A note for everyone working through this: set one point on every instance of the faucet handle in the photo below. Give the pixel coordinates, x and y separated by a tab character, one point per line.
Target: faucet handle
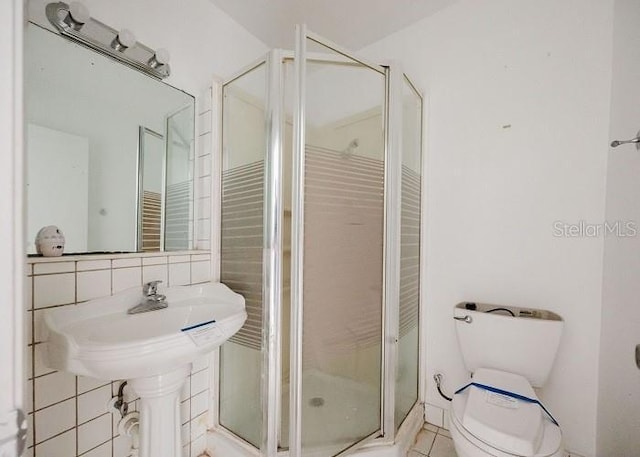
150	288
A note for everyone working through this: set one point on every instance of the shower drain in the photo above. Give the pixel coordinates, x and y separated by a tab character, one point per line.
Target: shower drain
316	402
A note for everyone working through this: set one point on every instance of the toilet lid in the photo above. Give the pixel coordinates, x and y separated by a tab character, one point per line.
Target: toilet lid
500	421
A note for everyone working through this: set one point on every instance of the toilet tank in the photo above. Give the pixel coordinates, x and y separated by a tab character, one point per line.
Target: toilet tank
523	341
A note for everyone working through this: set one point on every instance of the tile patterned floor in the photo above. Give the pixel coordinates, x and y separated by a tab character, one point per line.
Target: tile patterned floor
433	441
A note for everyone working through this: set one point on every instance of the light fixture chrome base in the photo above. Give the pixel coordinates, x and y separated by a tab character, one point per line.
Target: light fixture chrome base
99	37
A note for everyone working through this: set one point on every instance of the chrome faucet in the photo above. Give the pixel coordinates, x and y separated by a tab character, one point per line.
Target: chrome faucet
151	299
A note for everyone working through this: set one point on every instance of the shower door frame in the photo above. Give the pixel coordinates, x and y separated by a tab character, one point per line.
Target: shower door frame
389	318
272	262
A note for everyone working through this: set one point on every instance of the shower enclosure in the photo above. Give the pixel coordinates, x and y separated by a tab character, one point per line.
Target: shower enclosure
320	232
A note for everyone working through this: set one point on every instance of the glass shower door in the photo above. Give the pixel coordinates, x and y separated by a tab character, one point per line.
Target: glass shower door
338	220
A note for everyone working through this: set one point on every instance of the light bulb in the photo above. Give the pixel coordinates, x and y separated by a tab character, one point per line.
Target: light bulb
123	40
78	15
161	57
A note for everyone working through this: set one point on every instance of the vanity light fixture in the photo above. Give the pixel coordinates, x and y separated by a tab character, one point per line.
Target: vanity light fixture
73	21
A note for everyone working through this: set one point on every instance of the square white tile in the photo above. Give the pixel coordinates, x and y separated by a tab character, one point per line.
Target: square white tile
185	432
94	284
185	412
204	123
204	228
127	262
424	441
85	384
30	430
53	267
101	451
28	292
433	414
56	289
198	426
54	388
199	403
54	420
204	187
125	278
179	258
205	145
93	404
179	274
204	165
198	446
204	208
155	273
39	366
93	433
200	272
63	445
185	393
199	382
154	260
443	447
200	364
85	265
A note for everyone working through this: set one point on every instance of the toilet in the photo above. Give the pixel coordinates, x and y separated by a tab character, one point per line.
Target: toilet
509	351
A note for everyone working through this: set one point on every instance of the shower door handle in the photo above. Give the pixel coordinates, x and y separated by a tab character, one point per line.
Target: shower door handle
467	319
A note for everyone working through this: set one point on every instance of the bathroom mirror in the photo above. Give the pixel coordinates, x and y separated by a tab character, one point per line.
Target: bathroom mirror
101	136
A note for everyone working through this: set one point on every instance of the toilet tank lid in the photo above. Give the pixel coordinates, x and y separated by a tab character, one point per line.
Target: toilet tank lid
503	422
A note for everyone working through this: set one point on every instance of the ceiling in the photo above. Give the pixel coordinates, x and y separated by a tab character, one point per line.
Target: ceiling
351	23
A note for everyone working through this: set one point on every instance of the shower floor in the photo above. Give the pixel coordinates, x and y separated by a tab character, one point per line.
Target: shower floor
336	412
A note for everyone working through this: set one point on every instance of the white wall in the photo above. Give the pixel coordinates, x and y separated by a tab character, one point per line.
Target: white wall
57	185
202	40
619	394
518	96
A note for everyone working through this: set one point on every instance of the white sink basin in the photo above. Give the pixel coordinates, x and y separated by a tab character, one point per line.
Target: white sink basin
99	339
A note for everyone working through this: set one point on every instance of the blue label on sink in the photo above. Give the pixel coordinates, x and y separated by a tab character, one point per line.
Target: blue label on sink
203	333
201	324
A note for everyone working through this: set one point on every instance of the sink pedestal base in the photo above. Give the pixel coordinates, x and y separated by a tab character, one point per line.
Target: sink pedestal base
160	412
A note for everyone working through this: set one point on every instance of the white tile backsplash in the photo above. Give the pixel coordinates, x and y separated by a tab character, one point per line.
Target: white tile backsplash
101	451
93	284
155	273
155	260
53	267
55	419
127	262
200	272
93	403
54	388
62	445
85	265
125	278
179	274
94	433
86	384
55	289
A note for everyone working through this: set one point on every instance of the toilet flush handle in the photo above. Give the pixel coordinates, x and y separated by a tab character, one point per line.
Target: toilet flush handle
466	319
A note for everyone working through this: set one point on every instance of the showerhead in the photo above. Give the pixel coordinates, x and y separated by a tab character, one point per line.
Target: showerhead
351	147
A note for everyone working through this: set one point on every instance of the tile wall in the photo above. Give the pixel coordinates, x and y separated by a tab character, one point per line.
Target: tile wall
68	414
204	169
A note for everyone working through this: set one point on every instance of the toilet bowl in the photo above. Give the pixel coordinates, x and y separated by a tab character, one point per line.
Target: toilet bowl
485	423
508	350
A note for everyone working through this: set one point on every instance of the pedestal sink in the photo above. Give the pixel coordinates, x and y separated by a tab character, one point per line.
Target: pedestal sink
152	350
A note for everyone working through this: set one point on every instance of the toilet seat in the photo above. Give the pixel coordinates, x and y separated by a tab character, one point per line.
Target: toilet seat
501	425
